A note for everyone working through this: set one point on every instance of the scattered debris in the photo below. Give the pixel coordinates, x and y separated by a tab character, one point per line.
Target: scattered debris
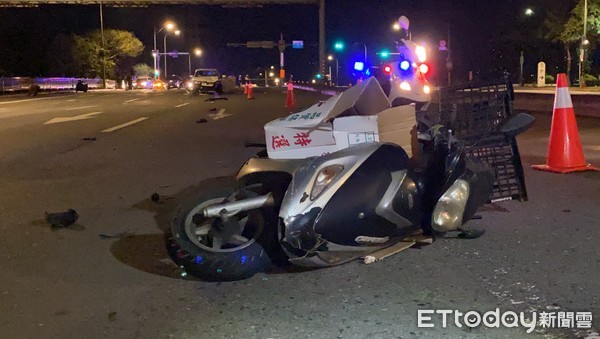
566	211
213	109
120	235
62	219
89	138
213	99
112	316
155	197
201	121
470	234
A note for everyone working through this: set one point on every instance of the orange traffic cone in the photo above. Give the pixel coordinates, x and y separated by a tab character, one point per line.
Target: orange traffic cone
246	88
565	153
290	101
250	92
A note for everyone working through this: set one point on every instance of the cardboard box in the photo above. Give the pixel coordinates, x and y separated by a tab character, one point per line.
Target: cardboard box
344	120
395	125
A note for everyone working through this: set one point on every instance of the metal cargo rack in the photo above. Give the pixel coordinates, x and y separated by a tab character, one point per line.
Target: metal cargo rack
473	112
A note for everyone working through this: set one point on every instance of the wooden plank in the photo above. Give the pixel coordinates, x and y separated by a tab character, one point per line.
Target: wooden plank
386	252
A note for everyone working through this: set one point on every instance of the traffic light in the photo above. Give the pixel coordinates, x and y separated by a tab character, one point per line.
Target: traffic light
387	69
384	54
338	45
319	76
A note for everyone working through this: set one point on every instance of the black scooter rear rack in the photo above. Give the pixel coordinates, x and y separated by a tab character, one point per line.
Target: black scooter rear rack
474	112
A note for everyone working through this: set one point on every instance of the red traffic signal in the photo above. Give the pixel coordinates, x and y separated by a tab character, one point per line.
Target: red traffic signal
387	69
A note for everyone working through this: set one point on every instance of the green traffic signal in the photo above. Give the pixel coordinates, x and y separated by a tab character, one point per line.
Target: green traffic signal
338	46
384	54
318	76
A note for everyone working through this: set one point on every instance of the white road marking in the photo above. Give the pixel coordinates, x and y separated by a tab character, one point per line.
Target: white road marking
24	100
132	100
187	103
220	115
75	118
112	129
77	108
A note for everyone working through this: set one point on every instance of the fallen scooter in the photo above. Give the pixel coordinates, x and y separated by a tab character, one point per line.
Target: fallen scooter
327	205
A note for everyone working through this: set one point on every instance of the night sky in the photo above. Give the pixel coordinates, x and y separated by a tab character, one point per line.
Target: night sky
482	33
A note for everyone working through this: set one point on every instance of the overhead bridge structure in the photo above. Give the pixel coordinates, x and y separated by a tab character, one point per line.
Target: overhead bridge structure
224	3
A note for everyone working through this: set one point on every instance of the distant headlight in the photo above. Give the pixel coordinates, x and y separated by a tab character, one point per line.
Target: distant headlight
324	179
426	89
190	85
449	210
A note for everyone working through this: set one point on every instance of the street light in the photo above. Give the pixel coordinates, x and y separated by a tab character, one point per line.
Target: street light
168	26
584	43
177	32
396	27
337	69
197	53
529	12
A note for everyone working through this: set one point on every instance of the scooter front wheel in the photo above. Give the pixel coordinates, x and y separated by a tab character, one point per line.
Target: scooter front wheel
214	250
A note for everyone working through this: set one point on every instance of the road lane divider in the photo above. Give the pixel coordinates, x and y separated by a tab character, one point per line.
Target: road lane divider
75	118
184	104
132	122
131	100
78	108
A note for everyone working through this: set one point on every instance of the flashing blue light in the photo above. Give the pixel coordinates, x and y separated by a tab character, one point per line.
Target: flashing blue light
359	66
244	259
368	72
405	65
198	259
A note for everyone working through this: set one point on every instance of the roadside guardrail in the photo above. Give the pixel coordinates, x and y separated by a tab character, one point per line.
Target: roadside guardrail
18	84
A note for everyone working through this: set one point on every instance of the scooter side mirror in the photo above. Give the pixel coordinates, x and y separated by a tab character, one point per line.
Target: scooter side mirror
517	124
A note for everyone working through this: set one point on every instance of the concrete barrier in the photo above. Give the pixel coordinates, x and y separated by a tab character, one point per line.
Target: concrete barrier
584	104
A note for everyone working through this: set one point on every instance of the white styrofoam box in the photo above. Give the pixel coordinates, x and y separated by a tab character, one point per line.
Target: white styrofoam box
311	132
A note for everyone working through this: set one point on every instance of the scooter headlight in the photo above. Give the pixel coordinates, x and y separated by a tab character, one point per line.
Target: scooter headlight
324	178
449	210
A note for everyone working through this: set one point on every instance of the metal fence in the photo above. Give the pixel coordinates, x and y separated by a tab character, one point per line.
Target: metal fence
16	84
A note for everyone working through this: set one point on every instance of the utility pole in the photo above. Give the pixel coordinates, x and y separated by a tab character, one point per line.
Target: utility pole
521	62
321	37
103	50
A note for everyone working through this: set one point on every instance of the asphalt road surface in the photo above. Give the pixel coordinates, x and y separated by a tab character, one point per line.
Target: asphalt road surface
109	275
